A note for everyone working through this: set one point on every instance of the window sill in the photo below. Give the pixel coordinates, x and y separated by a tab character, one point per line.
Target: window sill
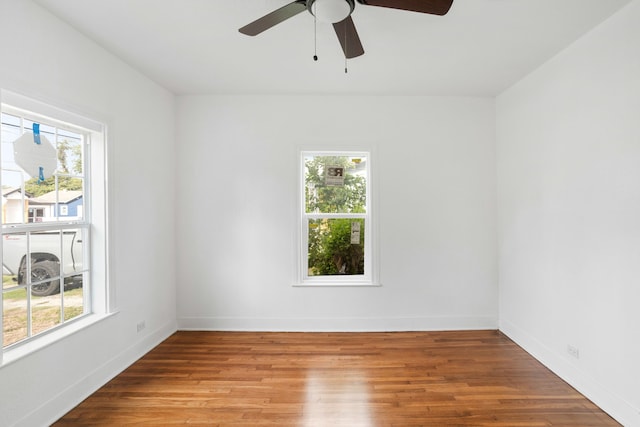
336	284
45	340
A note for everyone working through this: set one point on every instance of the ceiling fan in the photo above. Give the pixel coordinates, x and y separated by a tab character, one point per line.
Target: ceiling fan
338	13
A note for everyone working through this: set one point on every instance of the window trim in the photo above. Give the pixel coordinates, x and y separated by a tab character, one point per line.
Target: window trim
370	277
100	296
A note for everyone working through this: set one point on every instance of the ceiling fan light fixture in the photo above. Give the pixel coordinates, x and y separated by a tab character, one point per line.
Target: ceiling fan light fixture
331	11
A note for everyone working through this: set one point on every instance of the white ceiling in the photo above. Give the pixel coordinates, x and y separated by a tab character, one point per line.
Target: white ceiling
193	46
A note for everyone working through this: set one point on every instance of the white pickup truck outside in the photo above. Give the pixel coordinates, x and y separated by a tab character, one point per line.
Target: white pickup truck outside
47	251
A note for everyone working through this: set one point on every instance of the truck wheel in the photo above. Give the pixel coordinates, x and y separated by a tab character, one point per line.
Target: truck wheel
44	270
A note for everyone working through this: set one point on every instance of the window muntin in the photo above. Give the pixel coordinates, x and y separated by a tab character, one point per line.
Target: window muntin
335	225
45	230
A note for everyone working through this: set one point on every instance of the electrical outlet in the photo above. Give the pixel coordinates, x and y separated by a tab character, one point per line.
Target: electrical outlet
573	351
141	325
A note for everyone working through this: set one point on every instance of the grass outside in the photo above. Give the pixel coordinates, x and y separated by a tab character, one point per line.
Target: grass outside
45	312
8	281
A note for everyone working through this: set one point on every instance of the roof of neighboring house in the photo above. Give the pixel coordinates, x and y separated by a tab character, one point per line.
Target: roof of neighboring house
64	196
12	192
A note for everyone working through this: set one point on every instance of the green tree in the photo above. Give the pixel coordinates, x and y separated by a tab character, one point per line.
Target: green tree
63	149
322	198
37	188
330	249
68	152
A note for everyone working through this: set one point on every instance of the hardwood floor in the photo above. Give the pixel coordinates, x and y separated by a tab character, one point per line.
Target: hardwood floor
470	378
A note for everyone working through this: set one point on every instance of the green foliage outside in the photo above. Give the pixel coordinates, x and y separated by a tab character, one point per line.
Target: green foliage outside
321	198
330	249
36	188
69	153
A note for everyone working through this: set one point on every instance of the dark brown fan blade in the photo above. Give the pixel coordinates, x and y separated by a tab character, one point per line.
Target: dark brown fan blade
349	39
434	7
274	18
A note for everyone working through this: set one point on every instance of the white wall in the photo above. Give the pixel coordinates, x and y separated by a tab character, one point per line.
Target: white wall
44	58
237	178
568	144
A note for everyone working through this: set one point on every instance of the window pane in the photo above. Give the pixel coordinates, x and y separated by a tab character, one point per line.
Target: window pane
10	132
336	247
335	184
69	147
65	204
73	297
72	244
14	316
14	249
14	203
13	207
45	129
45	262
45	312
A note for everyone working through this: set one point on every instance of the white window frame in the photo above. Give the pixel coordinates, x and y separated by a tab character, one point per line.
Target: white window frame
98	296
370	276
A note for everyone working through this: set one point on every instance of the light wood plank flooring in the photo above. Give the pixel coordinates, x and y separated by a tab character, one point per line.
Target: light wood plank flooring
470	378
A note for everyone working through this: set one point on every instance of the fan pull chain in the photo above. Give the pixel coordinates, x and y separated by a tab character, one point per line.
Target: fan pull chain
315	38
345	49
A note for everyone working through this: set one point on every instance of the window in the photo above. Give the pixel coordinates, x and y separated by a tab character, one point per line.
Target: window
48	203
336	226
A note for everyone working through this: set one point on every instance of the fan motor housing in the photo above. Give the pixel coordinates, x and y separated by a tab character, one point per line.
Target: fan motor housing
331	11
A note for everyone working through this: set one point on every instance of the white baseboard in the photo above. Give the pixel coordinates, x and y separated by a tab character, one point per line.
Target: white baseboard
621	410
351	324
60	404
